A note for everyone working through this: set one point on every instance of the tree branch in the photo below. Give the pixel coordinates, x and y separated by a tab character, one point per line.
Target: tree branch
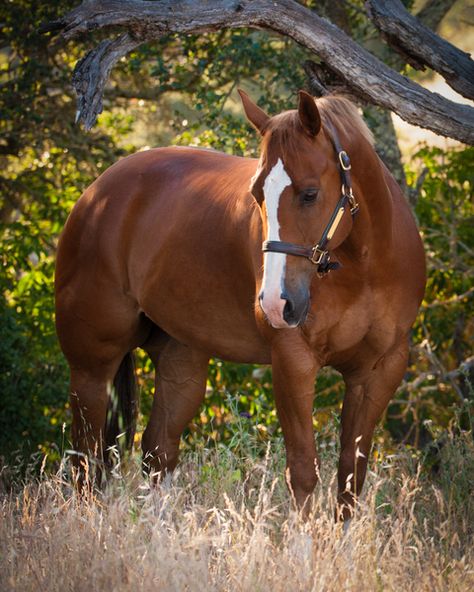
420	46
92	72
362	72
452	300
433	12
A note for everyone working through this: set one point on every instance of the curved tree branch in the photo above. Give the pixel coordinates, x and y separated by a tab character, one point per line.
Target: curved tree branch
361	71
92	72
420	46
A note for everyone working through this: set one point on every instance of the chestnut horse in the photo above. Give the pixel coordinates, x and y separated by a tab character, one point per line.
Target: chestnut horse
164	252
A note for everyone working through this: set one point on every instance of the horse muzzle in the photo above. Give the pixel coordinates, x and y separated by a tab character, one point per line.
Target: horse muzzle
288	311
296	308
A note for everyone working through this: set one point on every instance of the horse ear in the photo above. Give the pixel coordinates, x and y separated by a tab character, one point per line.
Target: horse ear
257	117
308	113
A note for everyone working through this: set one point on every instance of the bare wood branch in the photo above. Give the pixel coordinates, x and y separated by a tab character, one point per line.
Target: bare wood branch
433	12
92	72
362	72
414	192
452	300
441	378
323	81
464	368
317	86
420	46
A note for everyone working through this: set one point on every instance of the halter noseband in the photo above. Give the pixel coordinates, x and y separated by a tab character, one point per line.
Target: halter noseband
319	254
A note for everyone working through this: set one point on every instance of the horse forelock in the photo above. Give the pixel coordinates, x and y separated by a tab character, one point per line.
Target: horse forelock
283	135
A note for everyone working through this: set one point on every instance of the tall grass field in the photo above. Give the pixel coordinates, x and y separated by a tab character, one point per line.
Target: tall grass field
225	522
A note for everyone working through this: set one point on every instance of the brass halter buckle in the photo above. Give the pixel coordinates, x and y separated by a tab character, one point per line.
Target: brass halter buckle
354	206
317	255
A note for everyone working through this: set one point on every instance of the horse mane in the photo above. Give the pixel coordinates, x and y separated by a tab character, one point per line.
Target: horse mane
339	111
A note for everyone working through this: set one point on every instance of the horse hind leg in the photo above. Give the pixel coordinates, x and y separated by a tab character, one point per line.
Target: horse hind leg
96	423
90	391
180	385
99	359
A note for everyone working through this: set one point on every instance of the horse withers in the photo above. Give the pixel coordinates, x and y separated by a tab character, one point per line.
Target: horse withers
164	252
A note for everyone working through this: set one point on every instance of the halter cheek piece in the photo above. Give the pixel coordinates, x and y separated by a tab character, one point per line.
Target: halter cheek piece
319	254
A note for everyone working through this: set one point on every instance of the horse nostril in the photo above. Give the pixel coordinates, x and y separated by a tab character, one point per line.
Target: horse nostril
260	296
289	311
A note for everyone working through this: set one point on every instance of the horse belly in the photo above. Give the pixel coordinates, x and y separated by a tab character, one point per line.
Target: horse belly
211	322
204	298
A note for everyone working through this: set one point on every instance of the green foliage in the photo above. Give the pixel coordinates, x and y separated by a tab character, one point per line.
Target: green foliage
183	91
46	163
444	331
446	213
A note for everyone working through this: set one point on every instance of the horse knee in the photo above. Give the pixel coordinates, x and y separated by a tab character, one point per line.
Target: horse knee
303	477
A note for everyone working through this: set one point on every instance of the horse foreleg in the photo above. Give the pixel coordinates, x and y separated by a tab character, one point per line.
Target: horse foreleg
294	372
366	398
180	385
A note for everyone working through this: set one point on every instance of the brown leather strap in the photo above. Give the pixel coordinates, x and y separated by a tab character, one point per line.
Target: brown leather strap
344	165
287	248
317	256
341	204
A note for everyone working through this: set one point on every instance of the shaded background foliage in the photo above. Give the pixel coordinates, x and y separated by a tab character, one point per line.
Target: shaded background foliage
183	91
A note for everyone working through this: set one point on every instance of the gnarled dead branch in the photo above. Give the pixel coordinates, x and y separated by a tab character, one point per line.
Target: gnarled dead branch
363	73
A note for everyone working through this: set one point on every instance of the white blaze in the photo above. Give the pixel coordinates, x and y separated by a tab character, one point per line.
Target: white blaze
274	263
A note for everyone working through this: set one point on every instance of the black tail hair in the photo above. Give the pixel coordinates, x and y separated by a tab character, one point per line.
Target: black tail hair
123	406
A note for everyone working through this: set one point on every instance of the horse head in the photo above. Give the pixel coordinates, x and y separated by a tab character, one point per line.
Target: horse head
305	206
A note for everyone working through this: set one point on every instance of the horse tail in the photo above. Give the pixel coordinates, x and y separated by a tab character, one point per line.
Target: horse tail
123	406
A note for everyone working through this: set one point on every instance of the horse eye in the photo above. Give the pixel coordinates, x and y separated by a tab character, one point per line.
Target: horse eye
309	196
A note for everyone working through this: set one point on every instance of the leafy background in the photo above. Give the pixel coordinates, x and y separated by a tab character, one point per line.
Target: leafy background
183	91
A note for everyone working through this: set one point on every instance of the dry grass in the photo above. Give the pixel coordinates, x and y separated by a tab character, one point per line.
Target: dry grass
225	524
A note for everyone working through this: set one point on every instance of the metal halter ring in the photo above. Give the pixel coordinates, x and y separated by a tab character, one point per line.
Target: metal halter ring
344	160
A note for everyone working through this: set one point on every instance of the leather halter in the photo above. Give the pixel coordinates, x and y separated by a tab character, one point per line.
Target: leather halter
319	254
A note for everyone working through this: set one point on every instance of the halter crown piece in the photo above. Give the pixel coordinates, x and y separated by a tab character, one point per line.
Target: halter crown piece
319	254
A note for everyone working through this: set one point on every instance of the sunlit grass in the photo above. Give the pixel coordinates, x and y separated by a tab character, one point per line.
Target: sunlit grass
226	523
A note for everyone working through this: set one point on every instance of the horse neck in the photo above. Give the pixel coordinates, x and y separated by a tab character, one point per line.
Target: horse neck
373	224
